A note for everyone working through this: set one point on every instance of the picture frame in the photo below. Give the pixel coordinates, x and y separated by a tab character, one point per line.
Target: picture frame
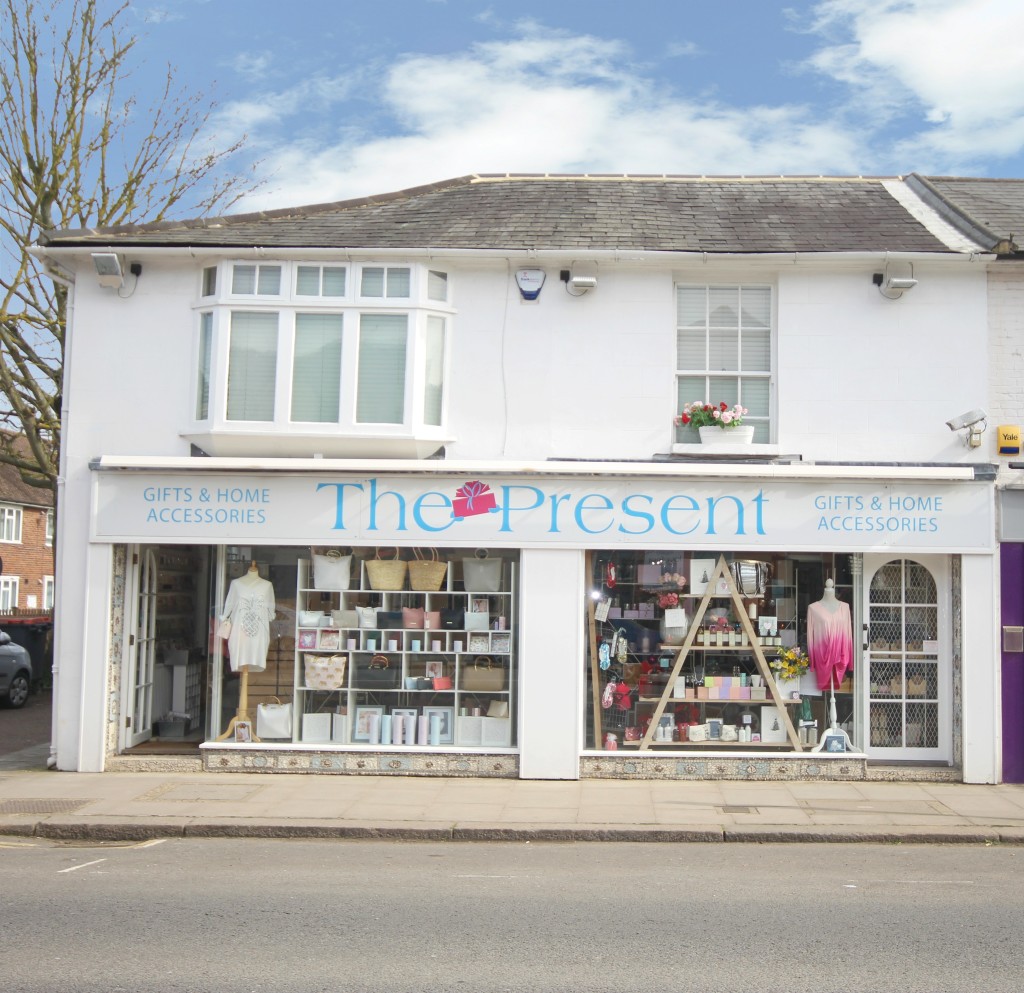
434	669
767	626
501	644
361	727
834	743
330	639
307	639
479	643
413	712
479	605
243	732
447	715
773	728
700	574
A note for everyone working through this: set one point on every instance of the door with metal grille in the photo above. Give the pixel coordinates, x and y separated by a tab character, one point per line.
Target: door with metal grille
907	660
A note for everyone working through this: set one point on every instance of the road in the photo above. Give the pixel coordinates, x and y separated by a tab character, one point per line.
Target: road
252	915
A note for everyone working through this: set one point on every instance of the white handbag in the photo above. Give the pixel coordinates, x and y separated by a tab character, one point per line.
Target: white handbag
367	617
324	672
274	720
477	620
310	618
331	569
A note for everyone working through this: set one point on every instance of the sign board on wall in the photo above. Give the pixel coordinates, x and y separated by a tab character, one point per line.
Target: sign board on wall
270	509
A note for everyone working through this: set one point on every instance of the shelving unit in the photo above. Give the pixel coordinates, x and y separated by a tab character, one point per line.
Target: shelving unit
720	578
411	653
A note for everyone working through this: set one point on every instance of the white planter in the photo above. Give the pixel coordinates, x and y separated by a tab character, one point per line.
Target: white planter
743	435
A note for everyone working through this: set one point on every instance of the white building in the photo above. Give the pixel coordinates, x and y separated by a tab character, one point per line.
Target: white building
496	362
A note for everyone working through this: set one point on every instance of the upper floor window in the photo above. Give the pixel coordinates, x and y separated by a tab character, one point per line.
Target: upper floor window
320	280
49	527
380	281
256	280
724	351
47	592
360	349
10	524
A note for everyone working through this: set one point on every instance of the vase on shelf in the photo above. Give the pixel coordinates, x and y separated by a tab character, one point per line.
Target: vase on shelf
713	435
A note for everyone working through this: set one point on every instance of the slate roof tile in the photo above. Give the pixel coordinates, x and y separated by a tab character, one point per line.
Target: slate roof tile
678	214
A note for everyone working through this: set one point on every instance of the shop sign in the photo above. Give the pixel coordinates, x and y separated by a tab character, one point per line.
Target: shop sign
571	512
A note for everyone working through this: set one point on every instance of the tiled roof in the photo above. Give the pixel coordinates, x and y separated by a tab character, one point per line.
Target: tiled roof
989	210
501	212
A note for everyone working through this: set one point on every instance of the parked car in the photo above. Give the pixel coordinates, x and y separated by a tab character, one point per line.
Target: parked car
15	672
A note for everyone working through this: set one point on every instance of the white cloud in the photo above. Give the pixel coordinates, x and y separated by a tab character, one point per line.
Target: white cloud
954	64
541	102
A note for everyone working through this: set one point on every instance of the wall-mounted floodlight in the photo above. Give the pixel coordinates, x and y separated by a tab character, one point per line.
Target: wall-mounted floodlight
580	279
973	422
892	285
108	269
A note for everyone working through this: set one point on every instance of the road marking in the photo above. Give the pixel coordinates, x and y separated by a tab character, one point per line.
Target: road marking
150	843
82	866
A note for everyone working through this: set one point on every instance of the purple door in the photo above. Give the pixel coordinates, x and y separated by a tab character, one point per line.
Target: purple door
1012	568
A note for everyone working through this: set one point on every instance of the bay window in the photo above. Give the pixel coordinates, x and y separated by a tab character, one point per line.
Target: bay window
724	352
345	360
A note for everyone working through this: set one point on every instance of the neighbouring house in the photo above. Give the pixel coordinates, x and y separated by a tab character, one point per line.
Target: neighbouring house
423	452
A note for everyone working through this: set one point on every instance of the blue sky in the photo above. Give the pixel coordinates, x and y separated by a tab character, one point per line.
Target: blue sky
341	99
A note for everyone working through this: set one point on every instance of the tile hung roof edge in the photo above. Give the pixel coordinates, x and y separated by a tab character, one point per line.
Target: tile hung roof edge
952	214
308	210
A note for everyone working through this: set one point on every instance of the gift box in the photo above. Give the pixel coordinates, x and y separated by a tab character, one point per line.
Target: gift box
472	499
702	692
758	693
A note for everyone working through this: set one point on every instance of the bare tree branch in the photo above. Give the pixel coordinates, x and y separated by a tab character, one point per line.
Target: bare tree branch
72	154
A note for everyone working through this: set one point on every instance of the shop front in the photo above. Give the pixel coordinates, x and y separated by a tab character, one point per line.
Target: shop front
547	621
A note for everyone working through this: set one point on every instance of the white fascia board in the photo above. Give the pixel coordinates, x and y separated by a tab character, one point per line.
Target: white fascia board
473	468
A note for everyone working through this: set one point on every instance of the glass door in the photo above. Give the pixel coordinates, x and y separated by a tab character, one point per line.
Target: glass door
907	690
139	715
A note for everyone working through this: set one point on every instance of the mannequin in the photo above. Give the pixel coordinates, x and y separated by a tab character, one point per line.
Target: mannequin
250	607
830	644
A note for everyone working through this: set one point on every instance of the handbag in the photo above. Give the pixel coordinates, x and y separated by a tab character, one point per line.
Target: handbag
452	620
389	620
331	569
426	574
483	676
274	720
378	673
367	617
442	682
324	672
432	619
345	618
481	573
412	617
386	574
224	630
497	708
477	620
310	618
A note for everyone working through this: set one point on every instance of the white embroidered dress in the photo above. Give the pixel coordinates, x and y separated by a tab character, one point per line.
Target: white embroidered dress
250	607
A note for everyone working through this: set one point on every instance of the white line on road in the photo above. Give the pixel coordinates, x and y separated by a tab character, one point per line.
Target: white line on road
82	866
150	843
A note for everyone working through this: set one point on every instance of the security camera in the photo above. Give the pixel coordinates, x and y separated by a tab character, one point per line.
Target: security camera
967	420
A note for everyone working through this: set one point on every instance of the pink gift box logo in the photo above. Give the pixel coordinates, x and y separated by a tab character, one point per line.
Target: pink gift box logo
473	498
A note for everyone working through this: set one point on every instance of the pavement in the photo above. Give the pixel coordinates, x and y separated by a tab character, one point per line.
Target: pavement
135	806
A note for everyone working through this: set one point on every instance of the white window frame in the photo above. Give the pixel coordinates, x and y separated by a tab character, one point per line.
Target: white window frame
10	524
48	527
9	592
765	423
48	592
418	309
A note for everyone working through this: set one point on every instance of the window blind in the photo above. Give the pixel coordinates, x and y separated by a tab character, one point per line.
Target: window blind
316	368
380	397
252	366
203	373
433	389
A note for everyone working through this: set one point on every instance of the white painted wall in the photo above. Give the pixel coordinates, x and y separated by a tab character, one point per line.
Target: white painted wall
860	378
551	642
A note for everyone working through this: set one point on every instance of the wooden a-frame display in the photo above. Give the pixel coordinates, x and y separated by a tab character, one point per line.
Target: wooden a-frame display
754	648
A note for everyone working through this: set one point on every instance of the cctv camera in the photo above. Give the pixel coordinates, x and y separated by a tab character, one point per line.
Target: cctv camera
967	420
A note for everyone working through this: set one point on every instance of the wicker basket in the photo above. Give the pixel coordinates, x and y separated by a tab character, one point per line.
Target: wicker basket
386	574
426	574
